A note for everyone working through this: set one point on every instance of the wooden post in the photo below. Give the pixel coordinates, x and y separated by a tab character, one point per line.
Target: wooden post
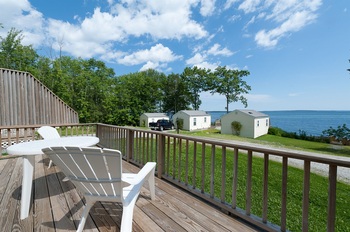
129	144
161	155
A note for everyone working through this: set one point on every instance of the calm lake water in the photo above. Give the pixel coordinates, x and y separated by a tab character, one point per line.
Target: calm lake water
311	121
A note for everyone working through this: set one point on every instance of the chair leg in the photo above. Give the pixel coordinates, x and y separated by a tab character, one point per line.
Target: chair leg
84	216
50	164
151	184
128	211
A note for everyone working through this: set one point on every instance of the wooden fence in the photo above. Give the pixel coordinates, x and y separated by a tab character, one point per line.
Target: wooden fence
24	100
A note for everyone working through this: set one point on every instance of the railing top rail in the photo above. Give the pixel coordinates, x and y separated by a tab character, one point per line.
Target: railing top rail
259	148
39	125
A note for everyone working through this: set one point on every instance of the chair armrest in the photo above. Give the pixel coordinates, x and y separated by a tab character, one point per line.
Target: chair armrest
134	179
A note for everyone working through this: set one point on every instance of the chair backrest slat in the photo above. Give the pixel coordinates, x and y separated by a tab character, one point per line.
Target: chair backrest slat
93	170
48	132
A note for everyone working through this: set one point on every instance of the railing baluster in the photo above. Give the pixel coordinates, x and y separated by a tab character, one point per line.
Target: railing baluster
179	163
265	188
186	171
1	143
168	158
153	140
147	146
203	168
174	158
223	174
235	178
212	171
161	156
284	194
194	164
332	190
9	142
17	135
144	147
306	193
249	182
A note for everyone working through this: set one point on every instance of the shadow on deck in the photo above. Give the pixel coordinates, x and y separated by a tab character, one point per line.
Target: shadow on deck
57	205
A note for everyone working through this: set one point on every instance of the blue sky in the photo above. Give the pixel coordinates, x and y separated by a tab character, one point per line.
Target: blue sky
297	51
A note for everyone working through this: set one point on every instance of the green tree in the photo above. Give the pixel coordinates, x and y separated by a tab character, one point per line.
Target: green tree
138	93
230	83
196	80
176	94
14	55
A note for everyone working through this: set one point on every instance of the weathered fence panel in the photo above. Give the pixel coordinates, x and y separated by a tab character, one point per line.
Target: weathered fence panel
24	100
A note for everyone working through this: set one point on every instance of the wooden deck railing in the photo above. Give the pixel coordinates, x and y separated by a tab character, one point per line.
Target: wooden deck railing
193	163
10	135
222	173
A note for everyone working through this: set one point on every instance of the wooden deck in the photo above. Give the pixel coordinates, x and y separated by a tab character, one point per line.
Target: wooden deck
57	206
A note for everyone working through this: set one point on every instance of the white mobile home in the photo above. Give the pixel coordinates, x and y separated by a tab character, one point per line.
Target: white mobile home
193	119
146	118
254	123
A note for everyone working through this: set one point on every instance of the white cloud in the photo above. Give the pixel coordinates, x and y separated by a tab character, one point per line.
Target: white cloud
215	50
287	15
229	3
98	33
150	65
207	65
208	7
196	59
294	23
249	6
154	17
155	54
20	15
292	16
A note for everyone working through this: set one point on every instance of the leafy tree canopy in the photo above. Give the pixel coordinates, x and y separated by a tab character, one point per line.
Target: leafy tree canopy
230	83
98	95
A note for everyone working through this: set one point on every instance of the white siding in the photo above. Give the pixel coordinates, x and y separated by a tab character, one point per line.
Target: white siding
151	118
252	127
261	127
202	121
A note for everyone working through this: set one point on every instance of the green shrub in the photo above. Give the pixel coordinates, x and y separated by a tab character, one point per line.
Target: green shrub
179	124
341	133
143	123
302	135
276	131
236	127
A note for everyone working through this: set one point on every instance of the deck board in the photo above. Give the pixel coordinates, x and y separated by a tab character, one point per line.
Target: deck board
57	205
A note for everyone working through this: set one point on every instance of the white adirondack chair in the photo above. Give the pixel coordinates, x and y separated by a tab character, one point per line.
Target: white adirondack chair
48	132
97	173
